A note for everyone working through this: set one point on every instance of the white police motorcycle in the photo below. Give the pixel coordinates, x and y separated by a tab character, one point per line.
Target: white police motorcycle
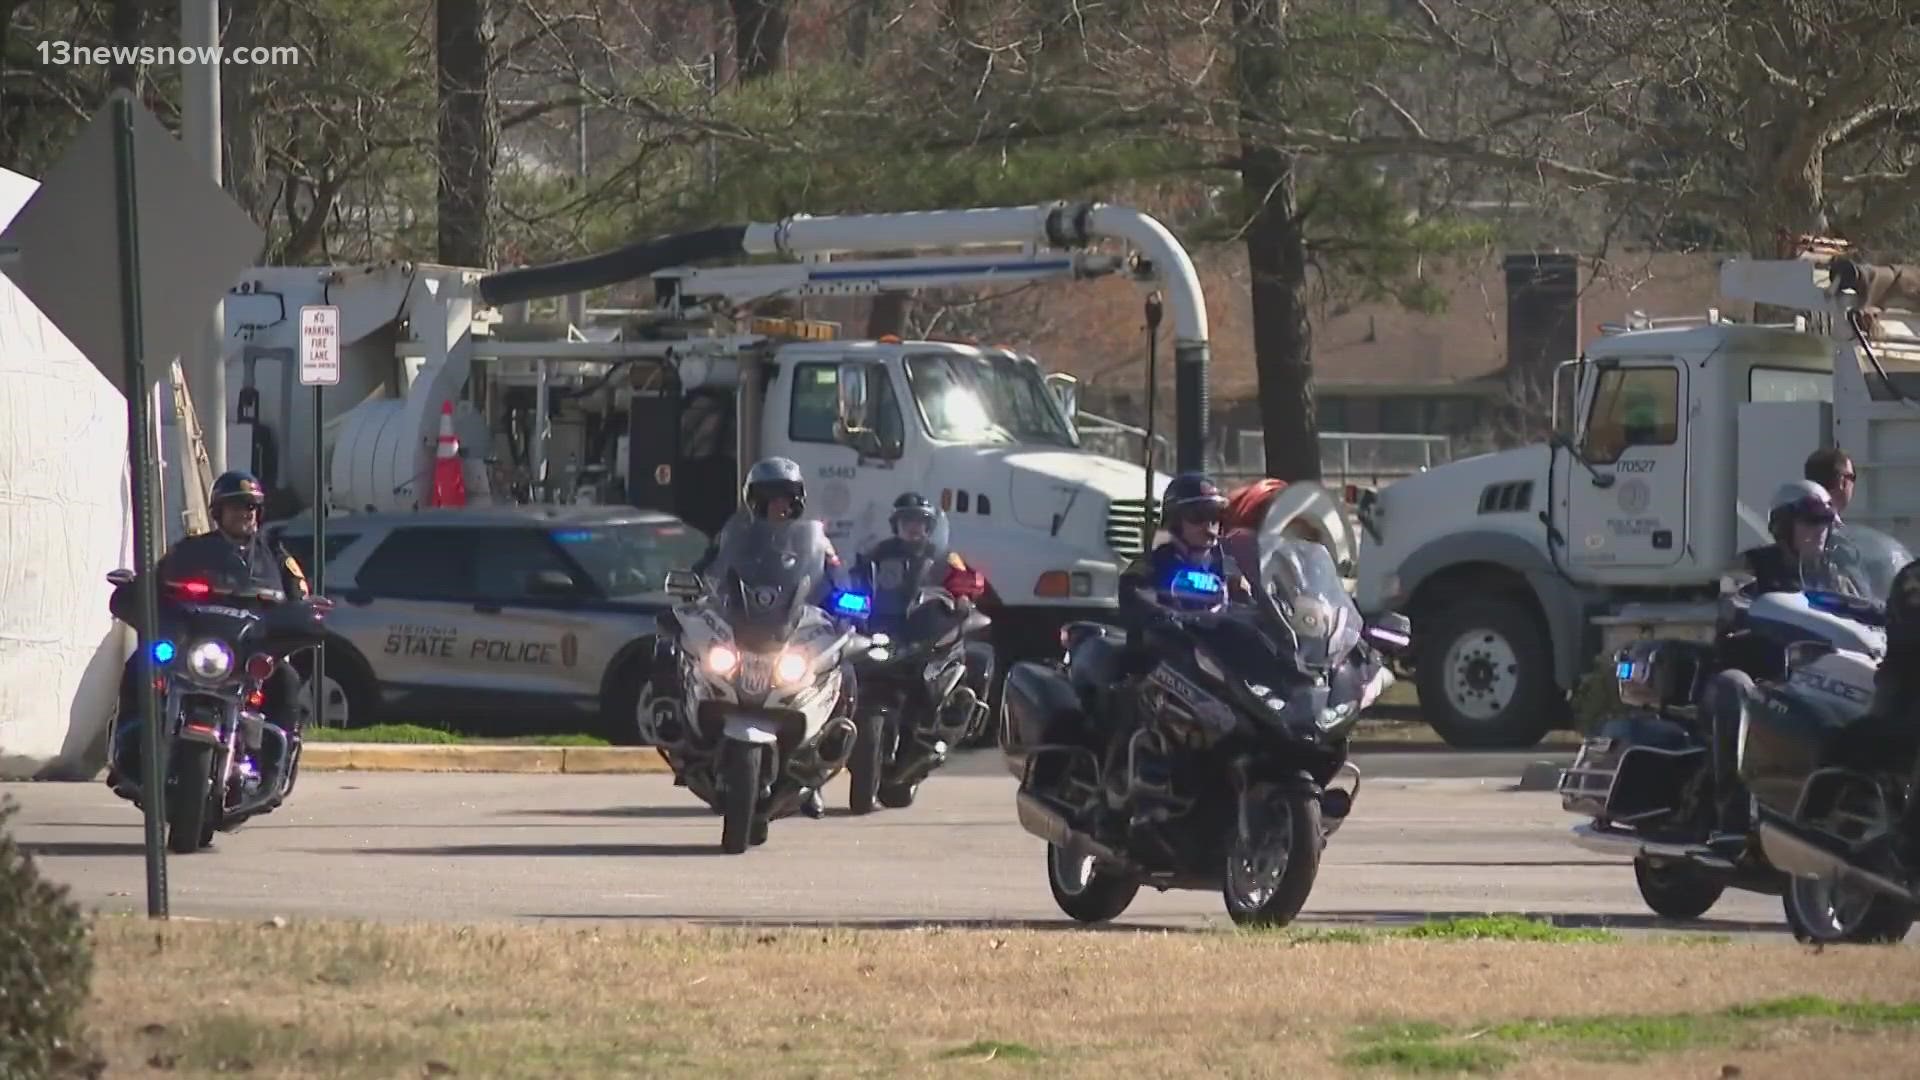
760	722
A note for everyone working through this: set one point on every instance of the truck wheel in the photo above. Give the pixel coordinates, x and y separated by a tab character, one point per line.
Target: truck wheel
1485	676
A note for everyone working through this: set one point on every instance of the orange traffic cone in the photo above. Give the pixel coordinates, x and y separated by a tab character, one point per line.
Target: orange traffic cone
449	482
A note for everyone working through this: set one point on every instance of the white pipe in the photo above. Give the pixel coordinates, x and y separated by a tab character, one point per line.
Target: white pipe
1059	225
1171	260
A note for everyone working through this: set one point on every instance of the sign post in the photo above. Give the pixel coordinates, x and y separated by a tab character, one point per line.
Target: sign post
126	219
153	784
319	368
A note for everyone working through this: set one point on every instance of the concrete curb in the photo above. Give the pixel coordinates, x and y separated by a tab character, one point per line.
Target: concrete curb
1541	776
434	757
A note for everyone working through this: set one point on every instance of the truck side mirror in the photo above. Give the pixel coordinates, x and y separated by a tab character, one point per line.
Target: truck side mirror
853	396
1066	391
850	426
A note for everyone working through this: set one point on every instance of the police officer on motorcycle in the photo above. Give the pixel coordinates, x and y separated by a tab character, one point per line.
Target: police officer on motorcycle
234	550
912	524
1190	511
776	490
1800	521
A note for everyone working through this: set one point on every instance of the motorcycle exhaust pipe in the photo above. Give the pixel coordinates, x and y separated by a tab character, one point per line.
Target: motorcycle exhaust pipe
1800	855
1607	842
1050	825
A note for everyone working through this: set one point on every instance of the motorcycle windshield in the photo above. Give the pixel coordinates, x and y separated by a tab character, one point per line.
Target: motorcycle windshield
896	570
206	620
766	574
1862	560
1299	579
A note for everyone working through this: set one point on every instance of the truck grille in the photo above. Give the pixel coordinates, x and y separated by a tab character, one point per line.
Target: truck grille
1126	525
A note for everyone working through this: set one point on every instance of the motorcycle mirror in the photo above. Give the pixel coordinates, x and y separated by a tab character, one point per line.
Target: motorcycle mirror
120	577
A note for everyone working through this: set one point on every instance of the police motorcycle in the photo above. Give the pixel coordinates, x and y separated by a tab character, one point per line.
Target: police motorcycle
1229	783
1831	815
914	705
216	644
760	676
1799	664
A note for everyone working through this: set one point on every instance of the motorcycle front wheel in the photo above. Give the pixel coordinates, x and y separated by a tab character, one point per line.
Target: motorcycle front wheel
190	798
868	761
740	783
1267	880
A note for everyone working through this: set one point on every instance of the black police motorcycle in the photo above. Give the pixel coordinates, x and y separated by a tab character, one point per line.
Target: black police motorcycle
1228	783
215	647
1793	668
913	704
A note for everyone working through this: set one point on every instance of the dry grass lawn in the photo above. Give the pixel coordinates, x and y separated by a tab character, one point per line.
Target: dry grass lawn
338	1000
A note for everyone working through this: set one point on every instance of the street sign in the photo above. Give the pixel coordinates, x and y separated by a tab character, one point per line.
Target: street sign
319	346
63	249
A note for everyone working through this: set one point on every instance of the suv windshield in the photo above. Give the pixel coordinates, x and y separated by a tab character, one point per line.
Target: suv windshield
986	400
631	559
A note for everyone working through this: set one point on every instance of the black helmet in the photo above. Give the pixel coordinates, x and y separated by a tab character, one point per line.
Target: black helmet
1190	496
1799	500
770	478
912	506
236	485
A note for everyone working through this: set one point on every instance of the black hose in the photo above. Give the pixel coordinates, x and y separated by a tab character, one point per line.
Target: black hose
615	267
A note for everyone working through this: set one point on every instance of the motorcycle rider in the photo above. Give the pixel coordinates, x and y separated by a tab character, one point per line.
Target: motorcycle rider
912	525
1800	521
234	549
1190	510
776	490
1798	559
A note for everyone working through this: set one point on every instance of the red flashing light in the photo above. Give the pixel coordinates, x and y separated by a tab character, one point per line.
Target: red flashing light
259	666
256	700
196	589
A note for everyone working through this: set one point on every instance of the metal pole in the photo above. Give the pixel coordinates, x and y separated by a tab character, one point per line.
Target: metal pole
542	430
319	568
139	443
200	132
1153	379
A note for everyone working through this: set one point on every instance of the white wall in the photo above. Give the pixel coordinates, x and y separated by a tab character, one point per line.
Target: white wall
65	521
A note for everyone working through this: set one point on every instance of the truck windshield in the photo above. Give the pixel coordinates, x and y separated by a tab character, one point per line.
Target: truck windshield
986	400
632	558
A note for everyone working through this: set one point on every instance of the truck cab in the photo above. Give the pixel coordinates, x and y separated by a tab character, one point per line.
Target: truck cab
978	430
1511	564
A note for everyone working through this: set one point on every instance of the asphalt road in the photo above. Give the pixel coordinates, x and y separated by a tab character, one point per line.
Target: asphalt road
1432	834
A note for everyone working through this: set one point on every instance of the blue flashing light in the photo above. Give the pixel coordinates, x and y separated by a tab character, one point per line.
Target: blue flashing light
163	652
852	603
1624	670
1198	583
573	536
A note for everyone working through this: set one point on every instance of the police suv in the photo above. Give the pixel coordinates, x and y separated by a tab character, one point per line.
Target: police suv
491	610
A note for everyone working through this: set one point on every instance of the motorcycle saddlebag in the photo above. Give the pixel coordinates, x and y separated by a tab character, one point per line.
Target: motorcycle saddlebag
1634	767
1040	709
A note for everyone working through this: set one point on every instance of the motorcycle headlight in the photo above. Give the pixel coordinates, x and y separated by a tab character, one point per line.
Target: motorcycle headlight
722	660
791	668
210	660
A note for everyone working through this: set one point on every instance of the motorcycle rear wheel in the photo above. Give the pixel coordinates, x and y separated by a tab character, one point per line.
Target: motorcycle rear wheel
1852	914
740	769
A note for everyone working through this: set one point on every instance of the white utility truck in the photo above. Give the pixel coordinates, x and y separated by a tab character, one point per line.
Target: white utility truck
668	407
1520	568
